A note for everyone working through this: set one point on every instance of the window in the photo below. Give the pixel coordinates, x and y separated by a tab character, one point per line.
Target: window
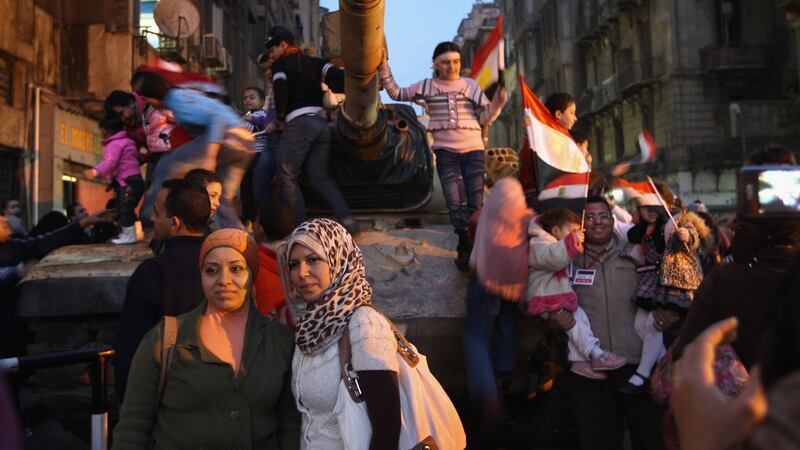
619	139
5	81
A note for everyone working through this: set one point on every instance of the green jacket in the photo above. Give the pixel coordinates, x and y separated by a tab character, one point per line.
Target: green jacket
609	301
203	407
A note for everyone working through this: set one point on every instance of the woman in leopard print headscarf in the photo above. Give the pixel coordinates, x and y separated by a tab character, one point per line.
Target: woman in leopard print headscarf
323	269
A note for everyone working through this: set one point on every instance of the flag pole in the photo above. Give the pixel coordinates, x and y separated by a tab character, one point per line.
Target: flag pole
664	205
585	196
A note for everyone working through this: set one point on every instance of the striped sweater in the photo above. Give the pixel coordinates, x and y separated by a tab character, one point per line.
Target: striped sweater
457	109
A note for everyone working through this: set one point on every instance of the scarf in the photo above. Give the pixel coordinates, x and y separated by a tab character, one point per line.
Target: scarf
223	332
500	254
324	321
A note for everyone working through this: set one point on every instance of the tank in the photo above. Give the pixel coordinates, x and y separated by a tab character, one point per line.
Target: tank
381	160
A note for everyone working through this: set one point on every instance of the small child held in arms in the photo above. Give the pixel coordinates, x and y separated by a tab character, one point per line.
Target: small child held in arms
555	238
120	167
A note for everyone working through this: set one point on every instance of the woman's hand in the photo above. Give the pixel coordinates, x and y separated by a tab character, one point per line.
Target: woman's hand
683	234
665	319
707	418
90	174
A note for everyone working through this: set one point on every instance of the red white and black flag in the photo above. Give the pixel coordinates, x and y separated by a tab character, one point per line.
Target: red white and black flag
646	148
644	191
488	62
562	170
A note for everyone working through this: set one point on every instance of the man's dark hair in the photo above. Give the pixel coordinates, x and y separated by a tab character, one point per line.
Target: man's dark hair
558	217
71	210
112	123
152	85
772	155
50	222
8	200
558	101
202	178
578	136
187	202
116	99
261	94
598	199
277	220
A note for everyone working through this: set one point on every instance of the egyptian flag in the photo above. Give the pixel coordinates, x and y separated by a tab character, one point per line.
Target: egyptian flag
489	60
562	171
646	148
644	191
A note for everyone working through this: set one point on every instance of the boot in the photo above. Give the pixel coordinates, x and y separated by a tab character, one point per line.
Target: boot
127	236
463	250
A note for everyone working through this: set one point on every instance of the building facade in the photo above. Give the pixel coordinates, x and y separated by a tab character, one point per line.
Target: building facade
60	58
713	81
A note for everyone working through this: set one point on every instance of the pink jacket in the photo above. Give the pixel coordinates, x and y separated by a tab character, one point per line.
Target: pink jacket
549	287
120	158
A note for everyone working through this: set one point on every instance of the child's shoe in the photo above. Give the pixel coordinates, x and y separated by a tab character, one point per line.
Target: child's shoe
584	369
126	237
635	389
608	361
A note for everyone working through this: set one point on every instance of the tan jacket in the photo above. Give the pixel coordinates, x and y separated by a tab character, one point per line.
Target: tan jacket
609	301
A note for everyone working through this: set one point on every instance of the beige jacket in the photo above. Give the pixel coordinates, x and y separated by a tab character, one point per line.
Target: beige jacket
609	301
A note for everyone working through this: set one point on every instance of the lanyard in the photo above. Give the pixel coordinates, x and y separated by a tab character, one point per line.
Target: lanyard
595	259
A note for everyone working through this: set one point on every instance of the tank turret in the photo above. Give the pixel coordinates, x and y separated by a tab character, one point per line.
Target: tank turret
380	157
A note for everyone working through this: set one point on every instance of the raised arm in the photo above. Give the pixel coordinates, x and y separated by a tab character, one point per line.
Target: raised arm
489	111
395	92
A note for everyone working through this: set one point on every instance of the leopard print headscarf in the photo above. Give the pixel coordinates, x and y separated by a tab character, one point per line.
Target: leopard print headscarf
323	322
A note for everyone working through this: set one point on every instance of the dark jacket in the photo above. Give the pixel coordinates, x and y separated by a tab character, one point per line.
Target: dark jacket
16	250
296	82
166	284
203	406
747	291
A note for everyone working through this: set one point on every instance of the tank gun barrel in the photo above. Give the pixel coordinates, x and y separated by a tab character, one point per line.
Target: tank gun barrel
360	123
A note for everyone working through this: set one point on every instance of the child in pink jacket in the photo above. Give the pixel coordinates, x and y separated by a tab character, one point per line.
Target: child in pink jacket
555	238
120	168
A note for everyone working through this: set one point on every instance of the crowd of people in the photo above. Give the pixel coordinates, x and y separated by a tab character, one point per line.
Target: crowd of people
230	336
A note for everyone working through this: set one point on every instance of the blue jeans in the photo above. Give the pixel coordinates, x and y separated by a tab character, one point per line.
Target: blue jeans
490	330
461	175
306	148
264	169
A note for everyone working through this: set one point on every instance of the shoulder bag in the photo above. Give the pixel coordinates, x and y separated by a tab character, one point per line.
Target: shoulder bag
429	420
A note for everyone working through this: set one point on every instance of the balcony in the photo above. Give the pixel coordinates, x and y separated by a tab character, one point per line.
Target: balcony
605	93
639	74
734	58
585	28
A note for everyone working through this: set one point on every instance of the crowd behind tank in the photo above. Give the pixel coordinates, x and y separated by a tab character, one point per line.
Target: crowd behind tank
674	324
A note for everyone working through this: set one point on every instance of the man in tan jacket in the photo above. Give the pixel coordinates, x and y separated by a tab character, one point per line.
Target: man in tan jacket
605	291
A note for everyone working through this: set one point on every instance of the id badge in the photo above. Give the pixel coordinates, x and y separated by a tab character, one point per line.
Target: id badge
584	277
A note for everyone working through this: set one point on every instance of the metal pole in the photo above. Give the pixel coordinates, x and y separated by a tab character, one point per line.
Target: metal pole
99	401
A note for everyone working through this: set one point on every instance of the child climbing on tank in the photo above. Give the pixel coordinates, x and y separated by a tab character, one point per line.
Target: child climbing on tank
458	109
120	167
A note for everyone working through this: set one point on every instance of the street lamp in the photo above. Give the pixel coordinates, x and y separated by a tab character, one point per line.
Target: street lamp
737	124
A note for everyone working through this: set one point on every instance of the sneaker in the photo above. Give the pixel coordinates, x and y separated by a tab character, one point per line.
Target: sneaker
126	237
608	361
584	369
